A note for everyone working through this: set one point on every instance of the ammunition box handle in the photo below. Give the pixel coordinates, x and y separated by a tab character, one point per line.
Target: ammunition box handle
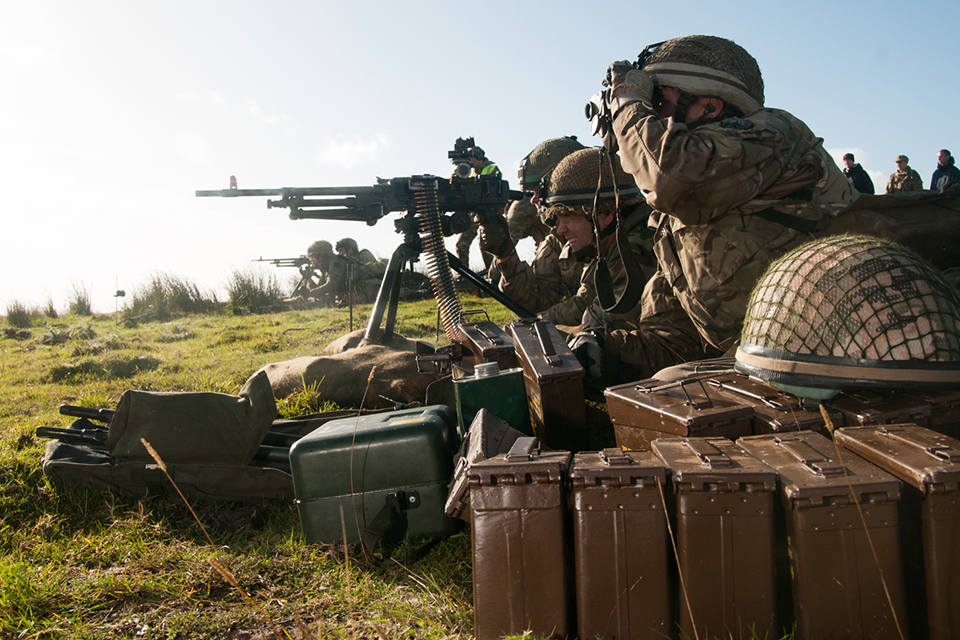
708	453
733	388
929	445
523	449
490	337
546	344
810	457
615	457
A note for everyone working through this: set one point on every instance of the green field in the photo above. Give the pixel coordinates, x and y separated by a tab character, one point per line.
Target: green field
85	564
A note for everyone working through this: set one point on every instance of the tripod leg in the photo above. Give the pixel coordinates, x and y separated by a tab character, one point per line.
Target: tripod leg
391	280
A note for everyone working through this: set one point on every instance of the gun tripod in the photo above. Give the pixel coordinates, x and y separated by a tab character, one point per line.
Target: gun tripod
388	297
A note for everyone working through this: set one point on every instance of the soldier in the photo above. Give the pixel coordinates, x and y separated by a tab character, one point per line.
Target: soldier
554	274
482	166
904	179
319	253
364	270
591	201
733	185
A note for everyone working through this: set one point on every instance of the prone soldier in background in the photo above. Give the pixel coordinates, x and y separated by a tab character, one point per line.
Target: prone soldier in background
319	254
733	186
554	273
365	271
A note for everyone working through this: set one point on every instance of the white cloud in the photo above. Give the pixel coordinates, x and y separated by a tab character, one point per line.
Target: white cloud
352	152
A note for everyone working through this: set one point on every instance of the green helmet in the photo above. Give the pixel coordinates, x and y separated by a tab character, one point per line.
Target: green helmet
572	187
707	66
850	312
320	248
348	243
544	158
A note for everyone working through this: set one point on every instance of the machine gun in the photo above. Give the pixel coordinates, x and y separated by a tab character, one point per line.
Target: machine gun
434	208
307	272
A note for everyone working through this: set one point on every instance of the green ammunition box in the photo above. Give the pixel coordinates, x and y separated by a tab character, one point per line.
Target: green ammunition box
380	477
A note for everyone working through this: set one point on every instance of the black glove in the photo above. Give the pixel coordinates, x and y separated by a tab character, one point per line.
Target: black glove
495	236
587	346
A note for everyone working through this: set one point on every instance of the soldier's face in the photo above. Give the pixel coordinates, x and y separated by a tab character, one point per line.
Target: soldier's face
848	162
576	230
666	106
942	158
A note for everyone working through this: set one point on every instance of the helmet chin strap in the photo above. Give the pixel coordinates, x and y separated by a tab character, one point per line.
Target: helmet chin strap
635	278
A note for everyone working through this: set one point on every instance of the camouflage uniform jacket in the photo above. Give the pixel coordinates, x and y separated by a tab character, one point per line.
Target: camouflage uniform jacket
552	276
904	181
728	198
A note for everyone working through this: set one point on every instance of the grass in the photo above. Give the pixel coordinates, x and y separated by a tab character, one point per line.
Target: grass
83	563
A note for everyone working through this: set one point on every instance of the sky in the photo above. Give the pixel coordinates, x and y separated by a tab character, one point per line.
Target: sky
113	113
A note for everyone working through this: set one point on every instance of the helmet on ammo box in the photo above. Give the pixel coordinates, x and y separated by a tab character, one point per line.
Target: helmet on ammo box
320	248
582	178
544	158
707	66
850	312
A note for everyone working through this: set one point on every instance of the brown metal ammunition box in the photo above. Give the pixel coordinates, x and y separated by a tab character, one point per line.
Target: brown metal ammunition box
867	408
929	464
620	545
554	381
836	515
643	411
944	409
725	538
774	411
521	573
489	343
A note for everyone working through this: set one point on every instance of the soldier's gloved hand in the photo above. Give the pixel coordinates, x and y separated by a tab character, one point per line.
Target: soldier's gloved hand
627	85
495	236
587	346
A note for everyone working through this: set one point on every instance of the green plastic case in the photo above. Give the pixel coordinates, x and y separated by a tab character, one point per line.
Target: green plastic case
387	474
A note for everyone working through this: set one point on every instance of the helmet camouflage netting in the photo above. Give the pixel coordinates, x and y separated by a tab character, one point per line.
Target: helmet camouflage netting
570	189
708	66
848	312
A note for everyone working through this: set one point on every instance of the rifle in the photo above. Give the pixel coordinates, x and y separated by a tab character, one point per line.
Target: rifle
434	208
307	271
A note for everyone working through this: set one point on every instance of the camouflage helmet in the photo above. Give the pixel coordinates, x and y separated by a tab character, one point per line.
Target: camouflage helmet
320	248
582	178
707	66
476	153
850	312
544	158
524	221
348	243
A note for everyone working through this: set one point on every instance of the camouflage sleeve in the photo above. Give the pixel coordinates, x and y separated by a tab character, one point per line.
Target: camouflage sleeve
336	280
701	173
536	287
570	312
665	336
